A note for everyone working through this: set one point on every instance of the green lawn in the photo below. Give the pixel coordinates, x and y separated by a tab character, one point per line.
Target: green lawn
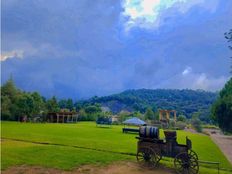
84	134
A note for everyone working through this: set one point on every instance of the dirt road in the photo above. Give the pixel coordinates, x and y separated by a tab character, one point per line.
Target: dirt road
116	168
224	142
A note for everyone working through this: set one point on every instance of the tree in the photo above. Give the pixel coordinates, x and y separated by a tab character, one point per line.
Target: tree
52	105
221	111
62	104
82	115
69	104
181	118
93	112
92	109
5	107
9	96
38	104
137	114
157	115
25	105
9	89
149	114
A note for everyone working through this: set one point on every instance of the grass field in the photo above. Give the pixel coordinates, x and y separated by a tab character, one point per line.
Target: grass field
87	135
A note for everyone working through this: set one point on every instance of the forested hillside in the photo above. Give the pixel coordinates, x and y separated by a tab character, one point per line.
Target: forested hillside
186	102
15	103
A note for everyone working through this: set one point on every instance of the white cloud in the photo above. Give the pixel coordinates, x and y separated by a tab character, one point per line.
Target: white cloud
188	79
147	13
12	54
202	81
186	71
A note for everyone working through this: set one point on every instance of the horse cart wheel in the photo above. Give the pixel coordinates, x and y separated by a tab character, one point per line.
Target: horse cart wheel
186	163
158	155
147	157
192	153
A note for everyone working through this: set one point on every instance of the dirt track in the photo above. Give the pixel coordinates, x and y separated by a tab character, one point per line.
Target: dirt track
223	142
116	168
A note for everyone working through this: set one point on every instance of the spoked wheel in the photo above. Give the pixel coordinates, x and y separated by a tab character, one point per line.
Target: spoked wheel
193	154
158	156
147	157
186	163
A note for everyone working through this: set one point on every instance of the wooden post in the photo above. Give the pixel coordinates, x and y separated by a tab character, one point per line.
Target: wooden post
175	115
167	115
160	115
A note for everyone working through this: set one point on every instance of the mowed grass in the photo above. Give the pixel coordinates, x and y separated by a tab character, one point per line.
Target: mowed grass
19	153
83	134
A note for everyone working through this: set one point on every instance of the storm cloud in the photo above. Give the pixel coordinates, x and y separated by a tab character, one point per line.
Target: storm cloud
79	49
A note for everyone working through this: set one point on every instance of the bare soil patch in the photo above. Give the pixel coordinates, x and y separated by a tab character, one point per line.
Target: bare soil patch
116	168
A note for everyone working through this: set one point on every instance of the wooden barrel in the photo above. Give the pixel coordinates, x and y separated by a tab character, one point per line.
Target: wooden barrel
149	132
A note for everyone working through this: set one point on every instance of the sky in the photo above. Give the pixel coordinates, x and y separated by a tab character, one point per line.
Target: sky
79	49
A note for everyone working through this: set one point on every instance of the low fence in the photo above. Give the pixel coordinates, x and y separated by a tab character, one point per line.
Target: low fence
210	162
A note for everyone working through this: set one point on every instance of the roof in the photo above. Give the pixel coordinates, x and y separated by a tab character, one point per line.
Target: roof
134	121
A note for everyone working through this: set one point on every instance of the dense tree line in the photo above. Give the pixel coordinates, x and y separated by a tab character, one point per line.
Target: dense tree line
16	104
142	103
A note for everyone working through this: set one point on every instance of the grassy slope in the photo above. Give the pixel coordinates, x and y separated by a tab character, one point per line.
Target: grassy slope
85	135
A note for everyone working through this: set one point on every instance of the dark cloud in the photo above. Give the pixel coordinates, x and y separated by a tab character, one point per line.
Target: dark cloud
80	48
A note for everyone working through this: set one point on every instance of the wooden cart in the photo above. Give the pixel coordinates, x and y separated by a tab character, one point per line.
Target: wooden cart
151	149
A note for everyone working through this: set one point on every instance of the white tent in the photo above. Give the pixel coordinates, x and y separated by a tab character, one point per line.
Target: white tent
134	121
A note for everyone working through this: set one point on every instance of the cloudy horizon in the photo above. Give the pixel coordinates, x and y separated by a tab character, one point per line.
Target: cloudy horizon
78	49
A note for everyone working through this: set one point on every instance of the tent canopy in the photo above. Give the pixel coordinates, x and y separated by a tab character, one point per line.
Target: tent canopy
134	121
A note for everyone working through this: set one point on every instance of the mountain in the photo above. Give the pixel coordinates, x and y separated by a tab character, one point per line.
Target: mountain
186	102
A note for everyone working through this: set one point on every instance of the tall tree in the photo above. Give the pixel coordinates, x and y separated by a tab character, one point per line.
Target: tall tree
25	105
62	104
222	108
5	107
69	104
149	114
52	105
39	104
9	96
9	89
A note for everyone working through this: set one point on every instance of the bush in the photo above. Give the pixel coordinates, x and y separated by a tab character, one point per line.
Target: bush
196	123
181	125
208	126
181	118
172	123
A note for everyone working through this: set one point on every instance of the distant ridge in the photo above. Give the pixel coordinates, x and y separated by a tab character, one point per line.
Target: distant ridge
185	101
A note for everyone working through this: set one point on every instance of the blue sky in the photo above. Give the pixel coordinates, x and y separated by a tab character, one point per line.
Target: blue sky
83	48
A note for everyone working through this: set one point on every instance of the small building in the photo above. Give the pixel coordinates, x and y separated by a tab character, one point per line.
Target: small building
62	117
115	118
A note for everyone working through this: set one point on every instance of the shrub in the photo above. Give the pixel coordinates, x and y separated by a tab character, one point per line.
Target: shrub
181	125
196	123
172	123
181	118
